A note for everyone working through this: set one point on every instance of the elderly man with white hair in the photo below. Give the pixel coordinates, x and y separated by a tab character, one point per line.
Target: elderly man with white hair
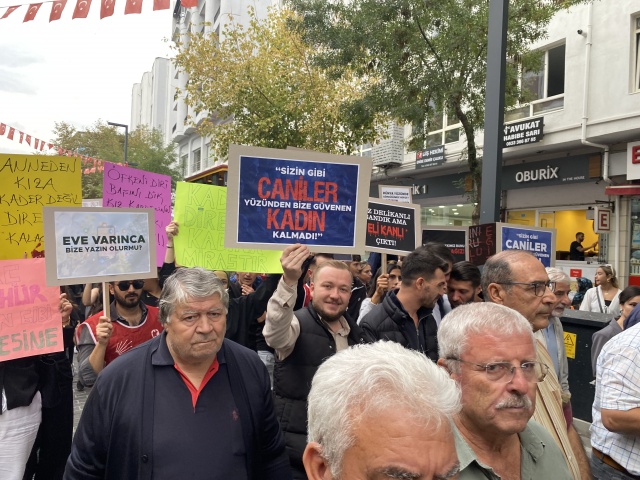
381	411
489	350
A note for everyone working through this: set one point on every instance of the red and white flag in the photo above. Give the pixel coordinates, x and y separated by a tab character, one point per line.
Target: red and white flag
21	136
50	145
41	145
82	9
11	132
9	11
161	4
31	12
56	9
106	8
28	139
133	6
3	128
36	143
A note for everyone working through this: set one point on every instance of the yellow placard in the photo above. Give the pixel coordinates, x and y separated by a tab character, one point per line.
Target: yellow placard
200	211
570	344
28	183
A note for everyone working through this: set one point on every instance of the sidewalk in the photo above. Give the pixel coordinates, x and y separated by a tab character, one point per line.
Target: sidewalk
79	398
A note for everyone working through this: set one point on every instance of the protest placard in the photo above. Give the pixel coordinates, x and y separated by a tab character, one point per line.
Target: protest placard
540	242
27	183
99	244
454	238
482	243
200	211
126	187
281	197
30	323
392	227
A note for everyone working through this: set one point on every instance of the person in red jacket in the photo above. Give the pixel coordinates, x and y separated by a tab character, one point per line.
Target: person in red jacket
100	339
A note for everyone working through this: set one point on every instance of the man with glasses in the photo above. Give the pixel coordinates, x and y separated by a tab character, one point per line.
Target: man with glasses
489	350
100	339
518	280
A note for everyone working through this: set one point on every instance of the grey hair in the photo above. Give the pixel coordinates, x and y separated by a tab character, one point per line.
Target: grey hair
558	275
187	284
497	269
459	325
364	381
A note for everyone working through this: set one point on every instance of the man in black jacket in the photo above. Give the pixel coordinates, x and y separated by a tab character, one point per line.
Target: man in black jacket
187	404
404	316
304	339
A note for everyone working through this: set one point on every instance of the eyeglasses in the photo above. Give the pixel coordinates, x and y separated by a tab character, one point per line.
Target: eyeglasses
504	371
124	285
538	287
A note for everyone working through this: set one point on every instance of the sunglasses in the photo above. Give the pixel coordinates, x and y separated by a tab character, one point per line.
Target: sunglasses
124	285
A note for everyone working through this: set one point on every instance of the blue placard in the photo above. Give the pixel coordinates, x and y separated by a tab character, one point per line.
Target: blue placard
535	241
284	201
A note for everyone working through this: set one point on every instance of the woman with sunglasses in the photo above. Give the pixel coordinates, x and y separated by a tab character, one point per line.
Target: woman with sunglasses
604	297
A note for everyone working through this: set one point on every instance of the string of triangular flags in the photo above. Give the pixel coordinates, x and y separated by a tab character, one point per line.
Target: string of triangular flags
81	10
89	164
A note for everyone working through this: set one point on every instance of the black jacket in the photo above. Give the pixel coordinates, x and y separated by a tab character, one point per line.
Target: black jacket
390	321
292	379
19	378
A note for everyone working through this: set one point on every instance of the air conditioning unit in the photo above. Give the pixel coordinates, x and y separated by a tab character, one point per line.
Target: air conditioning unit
390	151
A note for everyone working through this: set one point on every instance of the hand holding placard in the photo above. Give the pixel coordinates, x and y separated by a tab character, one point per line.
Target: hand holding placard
292	259
104	331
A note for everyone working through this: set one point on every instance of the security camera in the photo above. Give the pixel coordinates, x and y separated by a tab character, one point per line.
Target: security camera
582	32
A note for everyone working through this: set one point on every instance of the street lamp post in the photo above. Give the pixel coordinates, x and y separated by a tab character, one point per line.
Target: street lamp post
126	137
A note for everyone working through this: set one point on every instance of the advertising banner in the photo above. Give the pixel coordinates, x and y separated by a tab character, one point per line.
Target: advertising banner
280	197
99	244
27	183
30	323
454	238
200	210
126	187
392	227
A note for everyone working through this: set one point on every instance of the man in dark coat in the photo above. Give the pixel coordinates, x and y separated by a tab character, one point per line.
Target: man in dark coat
404	316
187	404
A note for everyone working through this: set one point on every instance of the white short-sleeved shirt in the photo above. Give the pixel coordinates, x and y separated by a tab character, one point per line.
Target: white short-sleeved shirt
618	388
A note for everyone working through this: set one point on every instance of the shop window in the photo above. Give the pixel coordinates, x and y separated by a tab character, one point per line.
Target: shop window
636	55
544	87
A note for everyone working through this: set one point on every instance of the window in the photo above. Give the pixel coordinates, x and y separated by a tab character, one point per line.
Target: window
545	87
444	129
636	55
196	160
183	164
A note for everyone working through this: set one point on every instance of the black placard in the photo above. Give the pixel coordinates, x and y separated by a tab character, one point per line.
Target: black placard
454	240
390	228
482	243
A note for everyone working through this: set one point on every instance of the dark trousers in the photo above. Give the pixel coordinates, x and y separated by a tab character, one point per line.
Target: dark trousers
53	443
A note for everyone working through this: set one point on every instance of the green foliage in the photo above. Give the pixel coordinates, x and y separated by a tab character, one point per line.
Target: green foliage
262	89
423	57
146	151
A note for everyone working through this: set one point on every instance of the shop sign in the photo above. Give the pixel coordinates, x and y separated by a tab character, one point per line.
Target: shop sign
430	157
558	171
396	193
602	220
523	133
633	161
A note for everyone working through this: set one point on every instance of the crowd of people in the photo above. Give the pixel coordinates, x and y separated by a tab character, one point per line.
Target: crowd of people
412	367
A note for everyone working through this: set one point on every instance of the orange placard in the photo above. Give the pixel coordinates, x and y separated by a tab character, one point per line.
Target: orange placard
30	322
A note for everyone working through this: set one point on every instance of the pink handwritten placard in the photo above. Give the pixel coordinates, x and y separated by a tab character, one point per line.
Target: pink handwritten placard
126	187
30	322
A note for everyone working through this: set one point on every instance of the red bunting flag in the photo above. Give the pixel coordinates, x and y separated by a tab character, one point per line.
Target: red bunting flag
11	132
133	6
9	11
21	135
36	143
41	145
31	12
106	8
28	139
161	4
3	128
56	9
189	3
82	9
